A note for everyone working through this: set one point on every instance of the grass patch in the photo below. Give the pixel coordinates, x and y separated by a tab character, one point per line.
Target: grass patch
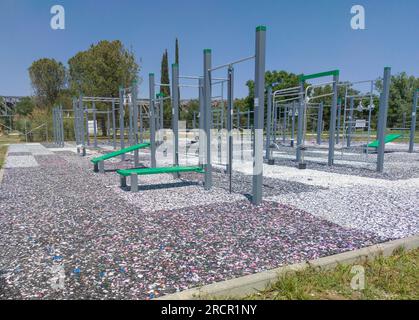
8	139
386	278
3	150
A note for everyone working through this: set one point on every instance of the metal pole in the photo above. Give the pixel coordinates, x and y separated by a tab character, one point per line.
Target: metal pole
230	106
332	124
87	127
338	121
284	123
413	121
121	121
135	120
175	113
152	120
207	121
319	123
258	114
300	125
108	126
382	119
350	122
81	124
293	124
113	124
62	126
268	124
94	124
130	122
201	123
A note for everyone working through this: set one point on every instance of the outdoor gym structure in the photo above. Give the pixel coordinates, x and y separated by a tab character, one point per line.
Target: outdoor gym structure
289	109
295	102
205	84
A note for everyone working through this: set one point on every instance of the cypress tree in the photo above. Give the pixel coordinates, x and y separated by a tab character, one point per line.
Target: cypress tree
177	52
165	75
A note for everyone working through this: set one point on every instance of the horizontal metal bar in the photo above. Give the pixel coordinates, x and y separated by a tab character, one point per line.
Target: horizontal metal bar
231	63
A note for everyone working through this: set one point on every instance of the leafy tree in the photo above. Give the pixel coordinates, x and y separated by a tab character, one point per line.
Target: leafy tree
402	88
100	70
48	78
24	107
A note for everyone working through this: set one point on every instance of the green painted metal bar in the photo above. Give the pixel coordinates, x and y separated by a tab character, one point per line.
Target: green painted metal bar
147	171
388	138
119	152
319	75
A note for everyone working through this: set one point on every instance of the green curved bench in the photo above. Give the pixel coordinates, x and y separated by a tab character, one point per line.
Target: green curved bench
134	173
99	161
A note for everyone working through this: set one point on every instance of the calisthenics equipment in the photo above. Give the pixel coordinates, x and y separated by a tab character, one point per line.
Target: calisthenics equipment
259	105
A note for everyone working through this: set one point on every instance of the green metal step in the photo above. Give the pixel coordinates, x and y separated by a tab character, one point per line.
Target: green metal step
388	138
147	171
121	151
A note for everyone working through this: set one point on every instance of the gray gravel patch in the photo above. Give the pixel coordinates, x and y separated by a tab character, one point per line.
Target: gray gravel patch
61	221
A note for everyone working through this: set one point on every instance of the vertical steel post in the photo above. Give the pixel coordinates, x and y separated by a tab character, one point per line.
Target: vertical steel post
94	124
339	106
207	121
332	124
62	126
293	124
230	110
413	121
108	126
382	119
113	124
300	125
350	122
201	118
268	123
175	113
121	121
135	120
152	120
258	114
319	123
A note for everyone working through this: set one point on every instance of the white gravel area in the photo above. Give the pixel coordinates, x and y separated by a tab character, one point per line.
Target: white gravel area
386	211
34	148
21	162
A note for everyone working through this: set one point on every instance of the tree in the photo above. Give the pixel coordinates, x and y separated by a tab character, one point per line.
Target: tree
164	75
100	70
402	88
177	52
48	78
24	107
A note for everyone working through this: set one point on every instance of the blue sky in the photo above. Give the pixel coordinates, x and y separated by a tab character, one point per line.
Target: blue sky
303	36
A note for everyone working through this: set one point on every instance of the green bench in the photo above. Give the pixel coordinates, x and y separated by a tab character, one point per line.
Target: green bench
134	173
388	138
98	162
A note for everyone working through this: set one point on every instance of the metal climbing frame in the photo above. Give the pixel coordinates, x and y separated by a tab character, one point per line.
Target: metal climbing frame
354	107
260	48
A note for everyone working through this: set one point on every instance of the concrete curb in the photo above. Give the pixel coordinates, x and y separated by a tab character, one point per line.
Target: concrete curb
249	284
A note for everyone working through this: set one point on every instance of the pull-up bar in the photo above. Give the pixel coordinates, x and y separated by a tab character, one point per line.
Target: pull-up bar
319	75
232	63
